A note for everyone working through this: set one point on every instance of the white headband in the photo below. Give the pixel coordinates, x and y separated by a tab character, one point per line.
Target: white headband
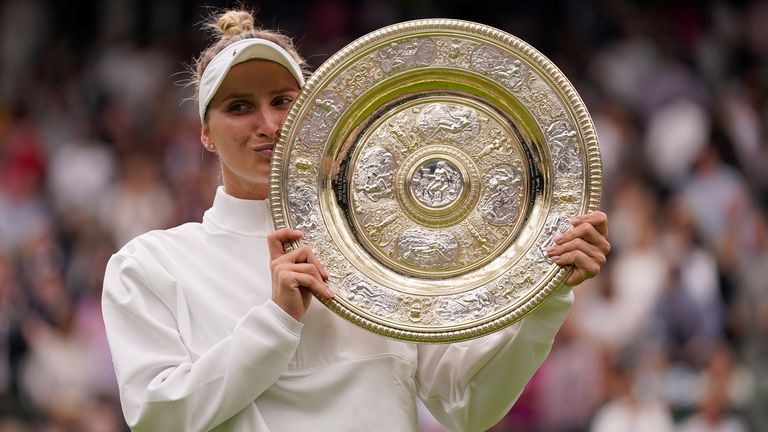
236	53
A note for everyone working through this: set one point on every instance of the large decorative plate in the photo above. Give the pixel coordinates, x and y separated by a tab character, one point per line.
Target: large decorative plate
429	165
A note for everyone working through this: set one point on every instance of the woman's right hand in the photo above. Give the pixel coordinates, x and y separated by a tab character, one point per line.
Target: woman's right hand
295	274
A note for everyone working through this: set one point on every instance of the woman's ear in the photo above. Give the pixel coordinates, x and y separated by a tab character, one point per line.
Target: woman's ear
205	138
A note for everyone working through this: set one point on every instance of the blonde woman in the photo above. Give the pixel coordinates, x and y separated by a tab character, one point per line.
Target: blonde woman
212	327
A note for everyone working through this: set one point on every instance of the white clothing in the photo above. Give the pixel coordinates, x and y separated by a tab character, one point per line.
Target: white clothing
698	423
198	344
622	415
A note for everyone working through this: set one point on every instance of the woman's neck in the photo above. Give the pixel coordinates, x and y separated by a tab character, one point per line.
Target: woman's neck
258	192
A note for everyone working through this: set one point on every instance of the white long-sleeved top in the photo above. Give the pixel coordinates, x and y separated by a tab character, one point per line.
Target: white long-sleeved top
198	344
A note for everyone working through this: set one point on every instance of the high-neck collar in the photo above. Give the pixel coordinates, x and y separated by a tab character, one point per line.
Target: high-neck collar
248	217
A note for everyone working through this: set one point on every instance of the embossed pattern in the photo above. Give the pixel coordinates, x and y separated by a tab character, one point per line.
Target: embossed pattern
415	173
435	212
436	184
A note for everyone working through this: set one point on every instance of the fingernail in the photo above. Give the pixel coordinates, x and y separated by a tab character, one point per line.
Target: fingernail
328	293
324	271
559	239
550	250
555	258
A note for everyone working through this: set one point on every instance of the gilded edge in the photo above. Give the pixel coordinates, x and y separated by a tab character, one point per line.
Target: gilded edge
593	173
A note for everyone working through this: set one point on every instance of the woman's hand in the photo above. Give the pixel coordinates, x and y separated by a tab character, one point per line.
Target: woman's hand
296	274
584	246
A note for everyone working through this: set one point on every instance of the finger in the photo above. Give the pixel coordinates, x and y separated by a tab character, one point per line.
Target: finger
597	219
309	282
305	255
305	268
276	239
586	232
578	244
584	266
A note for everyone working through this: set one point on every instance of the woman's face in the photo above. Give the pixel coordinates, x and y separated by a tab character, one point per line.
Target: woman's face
244	121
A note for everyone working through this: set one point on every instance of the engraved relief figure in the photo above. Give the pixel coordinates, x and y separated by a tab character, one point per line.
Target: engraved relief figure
518	75
514	284
505	292
304	170
565	153
452	122
408	145
499	143
560	130
302	202
492	62
500	203
378	230
427	249
399	55
399	134
305	166
327	109
359	77
454	52
436	184
363	294
480	241
374	178
417	310
472	305
496	64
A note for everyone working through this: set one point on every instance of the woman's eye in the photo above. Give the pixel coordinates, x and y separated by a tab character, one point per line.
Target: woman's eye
238	107
282	100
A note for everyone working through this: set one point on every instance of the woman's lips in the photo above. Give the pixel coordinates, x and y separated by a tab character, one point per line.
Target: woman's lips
264	150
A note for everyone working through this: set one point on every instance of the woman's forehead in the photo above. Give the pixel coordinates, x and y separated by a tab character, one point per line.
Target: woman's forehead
262	75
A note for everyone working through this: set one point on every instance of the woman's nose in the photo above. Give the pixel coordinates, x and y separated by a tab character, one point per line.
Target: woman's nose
268	124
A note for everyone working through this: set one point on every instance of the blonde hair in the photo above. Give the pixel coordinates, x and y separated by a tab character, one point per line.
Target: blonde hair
234	25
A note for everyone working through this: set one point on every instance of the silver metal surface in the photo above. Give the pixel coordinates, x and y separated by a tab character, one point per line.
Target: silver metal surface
430	164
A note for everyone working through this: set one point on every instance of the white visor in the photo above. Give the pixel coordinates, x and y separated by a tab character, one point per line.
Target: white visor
236	53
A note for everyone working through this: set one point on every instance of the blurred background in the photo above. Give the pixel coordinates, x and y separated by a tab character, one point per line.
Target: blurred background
98	145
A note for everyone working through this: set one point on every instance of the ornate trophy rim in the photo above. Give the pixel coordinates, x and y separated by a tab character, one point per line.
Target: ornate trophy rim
322	204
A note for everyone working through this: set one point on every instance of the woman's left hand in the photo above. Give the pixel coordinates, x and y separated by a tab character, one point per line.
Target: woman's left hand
584	246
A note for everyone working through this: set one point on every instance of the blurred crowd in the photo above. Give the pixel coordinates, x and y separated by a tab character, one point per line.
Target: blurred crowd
98	145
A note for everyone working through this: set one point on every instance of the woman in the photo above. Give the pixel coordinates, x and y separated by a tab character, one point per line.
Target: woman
211	324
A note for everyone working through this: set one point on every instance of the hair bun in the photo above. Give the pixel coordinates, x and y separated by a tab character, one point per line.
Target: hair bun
233	23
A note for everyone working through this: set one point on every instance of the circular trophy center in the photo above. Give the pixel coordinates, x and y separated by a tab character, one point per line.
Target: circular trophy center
437	184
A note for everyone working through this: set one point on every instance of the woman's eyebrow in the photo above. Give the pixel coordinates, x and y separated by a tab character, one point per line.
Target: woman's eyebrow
248	95
237	96
284	90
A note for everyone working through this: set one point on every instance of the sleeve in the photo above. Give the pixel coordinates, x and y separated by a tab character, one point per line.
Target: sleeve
161	387
470	386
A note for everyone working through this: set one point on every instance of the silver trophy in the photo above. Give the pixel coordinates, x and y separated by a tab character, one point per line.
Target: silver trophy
430	164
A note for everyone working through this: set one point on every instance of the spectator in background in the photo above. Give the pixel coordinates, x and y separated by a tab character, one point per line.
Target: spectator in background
712	415
628	410
11	313
682	325
639	270
723	374
750	318
139	202
79	179
575	364
716	196
24	212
